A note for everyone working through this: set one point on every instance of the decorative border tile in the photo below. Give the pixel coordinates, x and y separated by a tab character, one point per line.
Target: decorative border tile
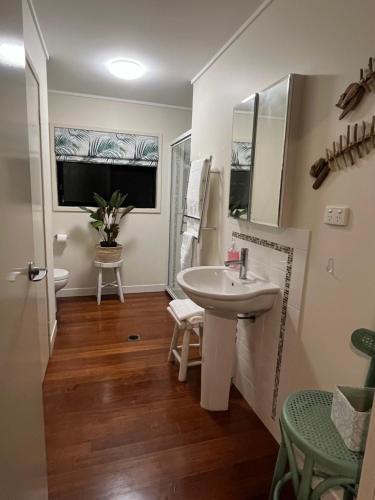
289	251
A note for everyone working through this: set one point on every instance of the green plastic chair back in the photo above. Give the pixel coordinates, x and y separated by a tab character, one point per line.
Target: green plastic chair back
364	341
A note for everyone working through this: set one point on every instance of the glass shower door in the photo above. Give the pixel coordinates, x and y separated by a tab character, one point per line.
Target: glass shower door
179	177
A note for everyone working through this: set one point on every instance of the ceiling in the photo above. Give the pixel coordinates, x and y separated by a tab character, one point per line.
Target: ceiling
173	39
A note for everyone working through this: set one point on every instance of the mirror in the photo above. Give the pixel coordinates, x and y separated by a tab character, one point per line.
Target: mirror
269	159
243	146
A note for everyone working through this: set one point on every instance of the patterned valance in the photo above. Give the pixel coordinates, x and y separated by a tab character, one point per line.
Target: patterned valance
241	154
80	145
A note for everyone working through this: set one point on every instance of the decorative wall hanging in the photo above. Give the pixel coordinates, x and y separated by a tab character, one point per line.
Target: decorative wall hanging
81	145
355	91
343	155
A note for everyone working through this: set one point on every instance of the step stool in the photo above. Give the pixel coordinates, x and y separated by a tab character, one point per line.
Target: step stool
193	324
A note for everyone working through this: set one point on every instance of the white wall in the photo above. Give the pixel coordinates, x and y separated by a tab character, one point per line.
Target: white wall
329	41
145	236
38	60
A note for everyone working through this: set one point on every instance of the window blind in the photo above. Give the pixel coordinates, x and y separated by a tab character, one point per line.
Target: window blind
81	145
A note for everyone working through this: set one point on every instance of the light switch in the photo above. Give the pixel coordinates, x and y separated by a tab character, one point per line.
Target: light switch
336	216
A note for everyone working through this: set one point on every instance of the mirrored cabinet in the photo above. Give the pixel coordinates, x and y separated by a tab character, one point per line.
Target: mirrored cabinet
242	158
263	141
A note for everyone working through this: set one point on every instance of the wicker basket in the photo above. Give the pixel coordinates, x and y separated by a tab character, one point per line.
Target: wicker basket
108	254
351	409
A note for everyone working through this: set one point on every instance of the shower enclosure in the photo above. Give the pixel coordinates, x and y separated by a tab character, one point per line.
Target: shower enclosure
179	177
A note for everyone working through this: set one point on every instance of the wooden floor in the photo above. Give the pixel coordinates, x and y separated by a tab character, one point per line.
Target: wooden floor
120	426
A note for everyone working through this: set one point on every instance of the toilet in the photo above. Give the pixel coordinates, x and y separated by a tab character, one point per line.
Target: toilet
61	278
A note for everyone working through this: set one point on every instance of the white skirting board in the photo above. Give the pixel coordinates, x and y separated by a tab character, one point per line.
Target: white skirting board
79	292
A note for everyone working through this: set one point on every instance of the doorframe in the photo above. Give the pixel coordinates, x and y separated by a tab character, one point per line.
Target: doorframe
29	62
366	489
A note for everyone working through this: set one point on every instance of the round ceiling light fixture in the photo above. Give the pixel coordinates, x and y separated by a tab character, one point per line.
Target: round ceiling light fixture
12	54
127	69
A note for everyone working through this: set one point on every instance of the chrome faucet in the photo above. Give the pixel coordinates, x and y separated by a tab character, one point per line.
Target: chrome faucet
243	260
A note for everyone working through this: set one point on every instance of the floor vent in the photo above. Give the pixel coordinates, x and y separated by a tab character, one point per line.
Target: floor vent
134	337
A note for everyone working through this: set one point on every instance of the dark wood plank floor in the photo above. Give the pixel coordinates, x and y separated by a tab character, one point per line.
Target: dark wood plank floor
120	426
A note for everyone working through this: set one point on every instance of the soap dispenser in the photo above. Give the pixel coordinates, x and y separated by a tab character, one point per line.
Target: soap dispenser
233	254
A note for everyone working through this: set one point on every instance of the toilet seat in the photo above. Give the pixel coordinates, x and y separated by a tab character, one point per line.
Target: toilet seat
60	274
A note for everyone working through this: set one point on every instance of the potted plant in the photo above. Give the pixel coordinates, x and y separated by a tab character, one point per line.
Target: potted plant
106	220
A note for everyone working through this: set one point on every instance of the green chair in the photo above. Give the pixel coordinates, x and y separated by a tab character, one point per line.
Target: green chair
306	425
364	341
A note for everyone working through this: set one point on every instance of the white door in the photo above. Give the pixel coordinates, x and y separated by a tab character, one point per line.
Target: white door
34	134
22	448
367	484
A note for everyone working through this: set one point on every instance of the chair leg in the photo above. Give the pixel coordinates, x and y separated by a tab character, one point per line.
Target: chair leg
306	478
174	342
184	356
348	495
291	461
119	285
280	468
99	290
332	482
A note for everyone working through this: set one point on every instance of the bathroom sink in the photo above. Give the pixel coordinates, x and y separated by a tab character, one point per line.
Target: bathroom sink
219	288
223	295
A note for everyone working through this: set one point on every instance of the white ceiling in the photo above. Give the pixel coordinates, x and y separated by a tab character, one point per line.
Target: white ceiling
172	38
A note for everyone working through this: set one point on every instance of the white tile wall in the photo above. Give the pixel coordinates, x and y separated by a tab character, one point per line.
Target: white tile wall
259	344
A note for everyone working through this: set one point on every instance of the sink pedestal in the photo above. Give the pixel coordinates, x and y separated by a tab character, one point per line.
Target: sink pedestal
218	353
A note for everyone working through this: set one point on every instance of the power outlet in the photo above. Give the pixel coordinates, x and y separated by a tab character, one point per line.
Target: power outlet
336	216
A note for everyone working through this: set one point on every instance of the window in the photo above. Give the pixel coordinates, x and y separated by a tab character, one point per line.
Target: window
79	180
92	161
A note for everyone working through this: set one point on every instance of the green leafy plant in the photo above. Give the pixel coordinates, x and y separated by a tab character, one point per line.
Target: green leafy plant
107	217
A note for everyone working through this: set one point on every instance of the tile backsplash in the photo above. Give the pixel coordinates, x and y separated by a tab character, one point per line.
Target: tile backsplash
280	257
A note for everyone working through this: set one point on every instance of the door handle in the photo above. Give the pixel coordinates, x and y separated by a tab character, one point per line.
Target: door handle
36	273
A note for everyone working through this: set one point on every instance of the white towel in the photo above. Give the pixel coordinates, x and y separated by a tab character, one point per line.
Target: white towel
187	250
185	308
196	187
192	227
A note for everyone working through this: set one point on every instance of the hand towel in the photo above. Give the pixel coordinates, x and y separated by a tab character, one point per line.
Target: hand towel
185	308
187	249
196	187
192	227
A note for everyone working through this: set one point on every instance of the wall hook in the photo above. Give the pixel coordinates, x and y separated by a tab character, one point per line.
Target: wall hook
330	267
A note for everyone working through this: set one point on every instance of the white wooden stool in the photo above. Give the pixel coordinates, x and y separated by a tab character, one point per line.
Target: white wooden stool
117	283
178	309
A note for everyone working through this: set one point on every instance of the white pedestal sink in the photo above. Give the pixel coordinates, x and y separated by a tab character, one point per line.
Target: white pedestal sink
223	295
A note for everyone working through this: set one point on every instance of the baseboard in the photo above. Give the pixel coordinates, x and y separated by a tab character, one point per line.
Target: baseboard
52	338
80	292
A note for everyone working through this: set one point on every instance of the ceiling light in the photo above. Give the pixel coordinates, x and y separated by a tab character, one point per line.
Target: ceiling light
12	55
127	69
